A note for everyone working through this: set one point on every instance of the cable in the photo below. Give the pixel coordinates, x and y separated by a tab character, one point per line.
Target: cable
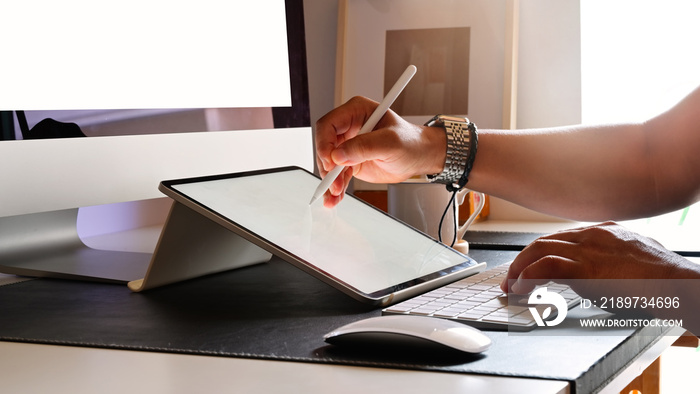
450	203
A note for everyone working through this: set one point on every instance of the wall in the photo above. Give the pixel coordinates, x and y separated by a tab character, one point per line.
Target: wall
549	90
549	78
321	18
549	72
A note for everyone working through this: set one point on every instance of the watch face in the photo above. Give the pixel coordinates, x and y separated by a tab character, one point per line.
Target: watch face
455	119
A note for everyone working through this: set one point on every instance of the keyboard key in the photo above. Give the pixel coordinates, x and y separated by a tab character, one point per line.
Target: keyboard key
471	315
514	310
424	311
467	304
481	298
492	294
439	293
399	309
483	309
422	299
466	292
523	317
479	287
496	303
448	312
442	303
496	319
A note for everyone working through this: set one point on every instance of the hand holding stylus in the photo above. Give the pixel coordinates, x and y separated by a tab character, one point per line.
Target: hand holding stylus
368	126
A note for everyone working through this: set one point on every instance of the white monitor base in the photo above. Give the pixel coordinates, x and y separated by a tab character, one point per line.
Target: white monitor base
47	245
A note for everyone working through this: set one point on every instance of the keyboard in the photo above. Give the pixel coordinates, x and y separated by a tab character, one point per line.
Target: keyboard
479	302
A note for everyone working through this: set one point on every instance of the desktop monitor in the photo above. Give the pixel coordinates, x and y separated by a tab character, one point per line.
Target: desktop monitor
200	88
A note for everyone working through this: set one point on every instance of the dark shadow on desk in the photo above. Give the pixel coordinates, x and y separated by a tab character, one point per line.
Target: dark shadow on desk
262	310
410	357
266	309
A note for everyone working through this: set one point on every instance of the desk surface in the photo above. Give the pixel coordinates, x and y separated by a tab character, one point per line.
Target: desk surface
204	317
67	365
46	368
88	370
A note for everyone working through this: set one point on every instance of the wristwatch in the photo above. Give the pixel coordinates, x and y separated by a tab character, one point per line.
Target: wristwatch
462	141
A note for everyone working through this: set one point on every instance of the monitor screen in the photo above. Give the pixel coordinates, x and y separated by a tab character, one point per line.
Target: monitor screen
257	104
82	54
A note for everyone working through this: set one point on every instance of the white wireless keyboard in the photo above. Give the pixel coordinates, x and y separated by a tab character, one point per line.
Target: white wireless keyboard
479	302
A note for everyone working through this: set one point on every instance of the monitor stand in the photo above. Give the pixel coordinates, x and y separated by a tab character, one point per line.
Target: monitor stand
48	245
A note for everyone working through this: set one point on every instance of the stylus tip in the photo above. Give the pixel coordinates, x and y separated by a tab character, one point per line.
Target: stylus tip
313	198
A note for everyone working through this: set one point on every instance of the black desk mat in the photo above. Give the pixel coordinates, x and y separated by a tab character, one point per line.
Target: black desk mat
516	241
500	240
275	311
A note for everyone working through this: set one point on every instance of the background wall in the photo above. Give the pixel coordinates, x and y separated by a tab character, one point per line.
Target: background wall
549	81
321	18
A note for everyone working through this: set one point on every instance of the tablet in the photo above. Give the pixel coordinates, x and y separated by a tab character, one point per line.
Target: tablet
354	247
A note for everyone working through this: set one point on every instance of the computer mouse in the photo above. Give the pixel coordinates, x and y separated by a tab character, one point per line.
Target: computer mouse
408	330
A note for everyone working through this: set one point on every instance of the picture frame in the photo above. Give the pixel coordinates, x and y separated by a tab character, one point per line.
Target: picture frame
465	50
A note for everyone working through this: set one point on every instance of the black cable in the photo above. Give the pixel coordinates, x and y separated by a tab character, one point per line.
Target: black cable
450	203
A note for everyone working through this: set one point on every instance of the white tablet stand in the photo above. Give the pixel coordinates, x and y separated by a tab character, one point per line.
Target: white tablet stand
192	245
47	245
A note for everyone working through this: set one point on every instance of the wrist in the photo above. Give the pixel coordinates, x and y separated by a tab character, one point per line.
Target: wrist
436	151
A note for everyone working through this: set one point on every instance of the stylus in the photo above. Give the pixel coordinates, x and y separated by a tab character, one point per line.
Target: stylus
369	126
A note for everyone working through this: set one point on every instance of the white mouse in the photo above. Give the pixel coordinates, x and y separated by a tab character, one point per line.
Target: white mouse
410	330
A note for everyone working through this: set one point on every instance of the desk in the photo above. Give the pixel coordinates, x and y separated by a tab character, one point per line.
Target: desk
34	368
21	363
44	368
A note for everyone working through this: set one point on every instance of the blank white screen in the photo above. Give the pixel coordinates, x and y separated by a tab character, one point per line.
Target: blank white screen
86	54
358	245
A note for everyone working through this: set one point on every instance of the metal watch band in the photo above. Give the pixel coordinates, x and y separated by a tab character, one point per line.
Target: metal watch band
461	149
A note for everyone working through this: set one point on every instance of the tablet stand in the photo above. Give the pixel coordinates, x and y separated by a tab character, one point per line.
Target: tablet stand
191	246
47	245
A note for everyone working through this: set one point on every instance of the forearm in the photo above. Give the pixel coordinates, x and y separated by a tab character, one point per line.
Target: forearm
597	172
601	173
582	173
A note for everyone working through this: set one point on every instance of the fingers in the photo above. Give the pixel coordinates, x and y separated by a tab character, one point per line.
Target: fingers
540	262
338	126
576	234
332	130
363	156
606	250
387	155
336	190
330	201
555	256
366	147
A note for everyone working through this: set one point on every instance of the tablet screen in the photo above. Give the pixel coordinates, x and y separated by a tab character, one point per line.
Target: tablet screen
354	243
